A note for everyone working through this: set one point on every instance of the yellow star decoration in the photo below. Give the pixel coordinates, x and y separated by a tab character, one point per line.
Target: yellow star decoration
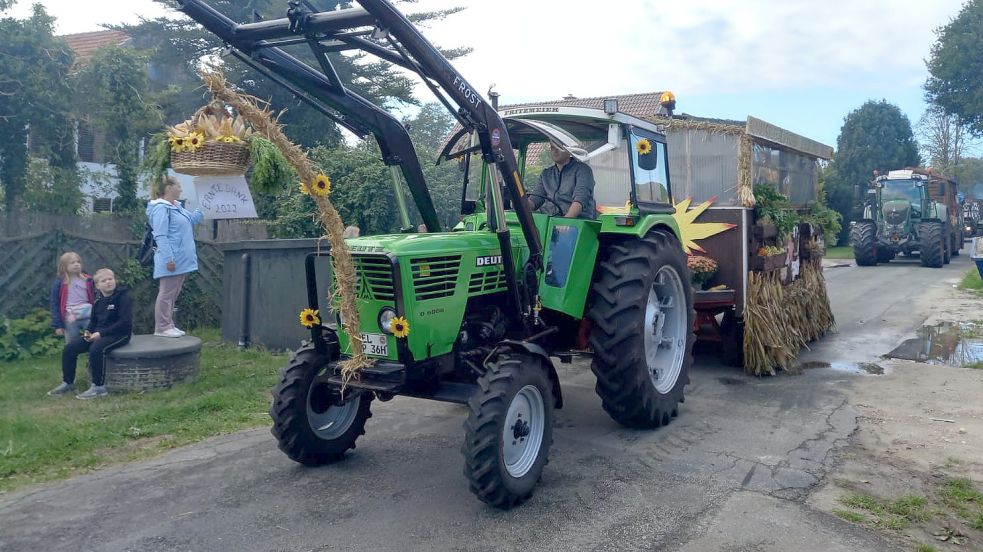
309	318
690	230
401	328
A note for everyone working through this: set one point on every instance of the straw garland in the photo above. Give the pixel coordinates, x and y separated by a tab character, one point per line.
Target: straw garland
341	260
745	190
779	320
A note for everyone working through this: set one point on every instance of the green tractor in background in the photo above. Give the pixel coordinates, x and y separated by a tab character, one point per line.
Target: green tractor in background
901	217
476	315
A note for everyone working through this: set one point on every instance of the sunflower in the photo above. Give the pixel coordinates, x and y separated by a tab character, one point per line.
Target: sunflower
643	146
321	186
230	139
304	189
401	328
309	318
194	141
176	142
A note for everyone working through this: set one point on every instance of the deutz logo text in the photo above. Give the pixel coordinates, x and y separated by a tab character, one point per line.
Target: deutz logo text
488	261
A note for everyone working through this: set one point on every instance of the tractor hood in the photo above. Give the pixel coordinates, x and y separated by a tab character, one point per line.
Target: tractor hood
412	245
896	211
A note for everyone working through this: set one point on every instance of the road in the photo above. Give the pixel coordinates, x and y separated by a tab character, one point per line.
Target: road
730	473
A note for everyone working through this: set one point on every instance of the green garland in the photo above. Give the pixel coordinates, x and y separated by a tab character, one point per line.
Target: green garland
771	206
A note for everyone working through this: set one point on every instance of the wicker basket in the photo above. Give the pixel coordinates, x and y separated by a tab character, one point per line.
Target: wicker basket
212	159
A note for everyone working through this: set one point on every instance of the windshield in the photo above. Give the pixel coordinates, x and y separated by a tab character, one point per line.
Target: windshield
902	189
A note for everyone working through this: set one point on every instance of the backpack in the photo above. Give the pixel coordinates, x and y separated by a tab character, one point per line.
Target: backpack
145	255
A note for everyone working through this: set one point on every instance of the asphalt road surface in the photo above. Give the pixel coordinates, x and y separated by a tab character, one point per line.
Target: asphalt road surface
730	473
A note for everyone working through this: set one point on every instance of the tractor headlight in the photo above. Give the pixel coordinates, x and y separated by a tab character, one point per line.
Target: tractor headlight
386	316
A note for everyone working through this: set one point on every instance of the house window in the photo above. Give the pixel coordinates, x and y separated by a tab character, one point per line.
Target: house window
90	144
102	205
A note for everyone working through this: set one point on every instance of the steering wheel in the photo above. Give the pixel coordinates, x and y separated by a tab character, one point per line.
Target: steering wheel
555	204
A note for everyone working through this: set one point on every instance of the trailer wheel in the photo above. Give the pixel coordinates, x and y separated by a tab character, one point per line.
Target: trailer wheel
509	430
312	424
931	244
642	335
957	243
863	237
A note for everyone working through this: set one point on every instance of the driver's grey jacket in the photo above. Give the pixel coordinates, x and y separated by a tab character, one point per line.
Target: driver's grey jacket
575	182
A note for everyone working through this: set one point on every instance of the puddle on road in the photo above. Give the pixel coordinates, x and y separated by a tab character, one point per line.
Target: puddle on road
955	344
862	368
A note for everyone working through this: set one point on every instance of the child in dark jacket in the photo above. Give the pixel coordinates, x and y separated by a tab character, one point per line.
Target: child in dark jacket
109	327
72	296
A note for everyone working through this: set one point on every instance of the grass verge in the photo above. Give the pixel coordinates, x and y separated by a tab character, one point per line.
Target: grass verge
971	281
894	514
44	438
842	252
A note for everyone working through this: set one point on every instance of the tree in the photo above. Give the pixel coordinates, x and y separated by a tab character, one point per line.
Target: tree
943	140
955	66
178	46
34	93
875	136
115	93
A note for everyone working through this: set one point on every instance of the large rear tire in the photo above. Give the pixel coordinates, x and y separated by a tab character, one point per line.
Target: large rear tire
311	422
931	244
509	430
642	335
863	236
957	243
947	252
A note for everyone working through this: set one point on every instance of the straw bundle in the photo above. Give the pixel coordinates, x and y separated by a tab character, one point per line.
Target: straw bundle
779	320
344	271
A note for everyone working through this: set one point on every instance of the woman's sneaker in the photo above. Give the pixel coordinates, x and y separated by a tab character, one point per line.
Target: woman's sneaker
62	389
182	332
173	332
93	392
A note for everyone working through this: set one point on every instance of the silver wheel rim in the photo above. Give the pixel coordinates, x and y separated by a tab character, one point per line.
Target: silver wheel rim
327	419
665	329
523	432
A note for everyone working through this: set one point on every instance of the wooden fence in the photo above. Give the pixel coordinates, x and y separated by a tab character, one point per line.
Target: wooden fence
31	244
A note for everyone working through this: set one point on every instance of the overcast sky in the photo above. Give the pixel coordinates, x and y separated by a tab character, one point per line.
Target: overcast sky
800	64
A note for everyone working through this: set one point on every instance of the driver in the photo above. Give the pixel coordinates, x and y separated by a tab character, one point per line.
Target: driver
569	183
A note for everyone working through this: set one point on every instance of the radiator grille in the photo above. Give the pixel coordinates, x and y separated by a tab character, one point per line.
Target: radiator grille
374	278
487	282
435	277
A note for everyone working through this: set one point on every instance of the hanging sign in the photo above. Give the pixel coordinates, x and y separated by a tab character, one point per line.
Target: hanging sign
224	197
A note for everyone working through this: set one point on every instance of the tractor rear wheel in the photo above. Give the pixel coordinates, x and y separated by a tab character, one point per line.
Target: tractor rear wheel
931	244
312	423
509	430
957	243
642	335
947	252
863	236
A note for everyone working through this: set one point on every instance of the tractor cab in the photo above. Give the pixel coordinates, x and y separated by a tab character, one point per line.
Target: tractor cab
627	157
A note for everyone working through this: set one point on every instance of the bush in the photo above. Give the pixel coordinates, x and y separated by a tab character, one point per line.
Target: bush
27	337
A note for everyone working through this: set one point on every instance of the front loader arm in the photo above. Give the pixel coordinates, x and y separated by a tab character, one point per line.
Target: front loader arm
256	45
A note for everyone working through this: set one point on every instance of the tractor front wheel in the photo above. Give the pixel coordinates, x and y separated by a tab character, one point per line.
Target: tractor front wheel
931	244
509	430
312	422
863	236
642	335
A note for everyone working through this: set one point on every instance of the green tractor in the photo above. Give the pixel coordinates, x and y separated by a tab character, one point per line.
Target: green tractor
900	217
476	315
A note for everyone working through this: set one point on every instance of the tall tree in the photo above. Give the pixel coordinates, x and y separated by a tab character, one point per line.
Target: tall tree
178	47
114	89
955	66
875	136
34	93
944	140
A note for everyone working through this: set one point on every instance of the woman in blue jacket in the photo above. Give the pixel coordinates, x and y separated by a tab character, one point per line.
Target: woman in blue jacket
176	256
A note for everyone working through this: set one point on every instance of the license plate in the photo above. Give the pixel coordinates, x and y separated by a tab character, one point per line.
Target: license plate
375	344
